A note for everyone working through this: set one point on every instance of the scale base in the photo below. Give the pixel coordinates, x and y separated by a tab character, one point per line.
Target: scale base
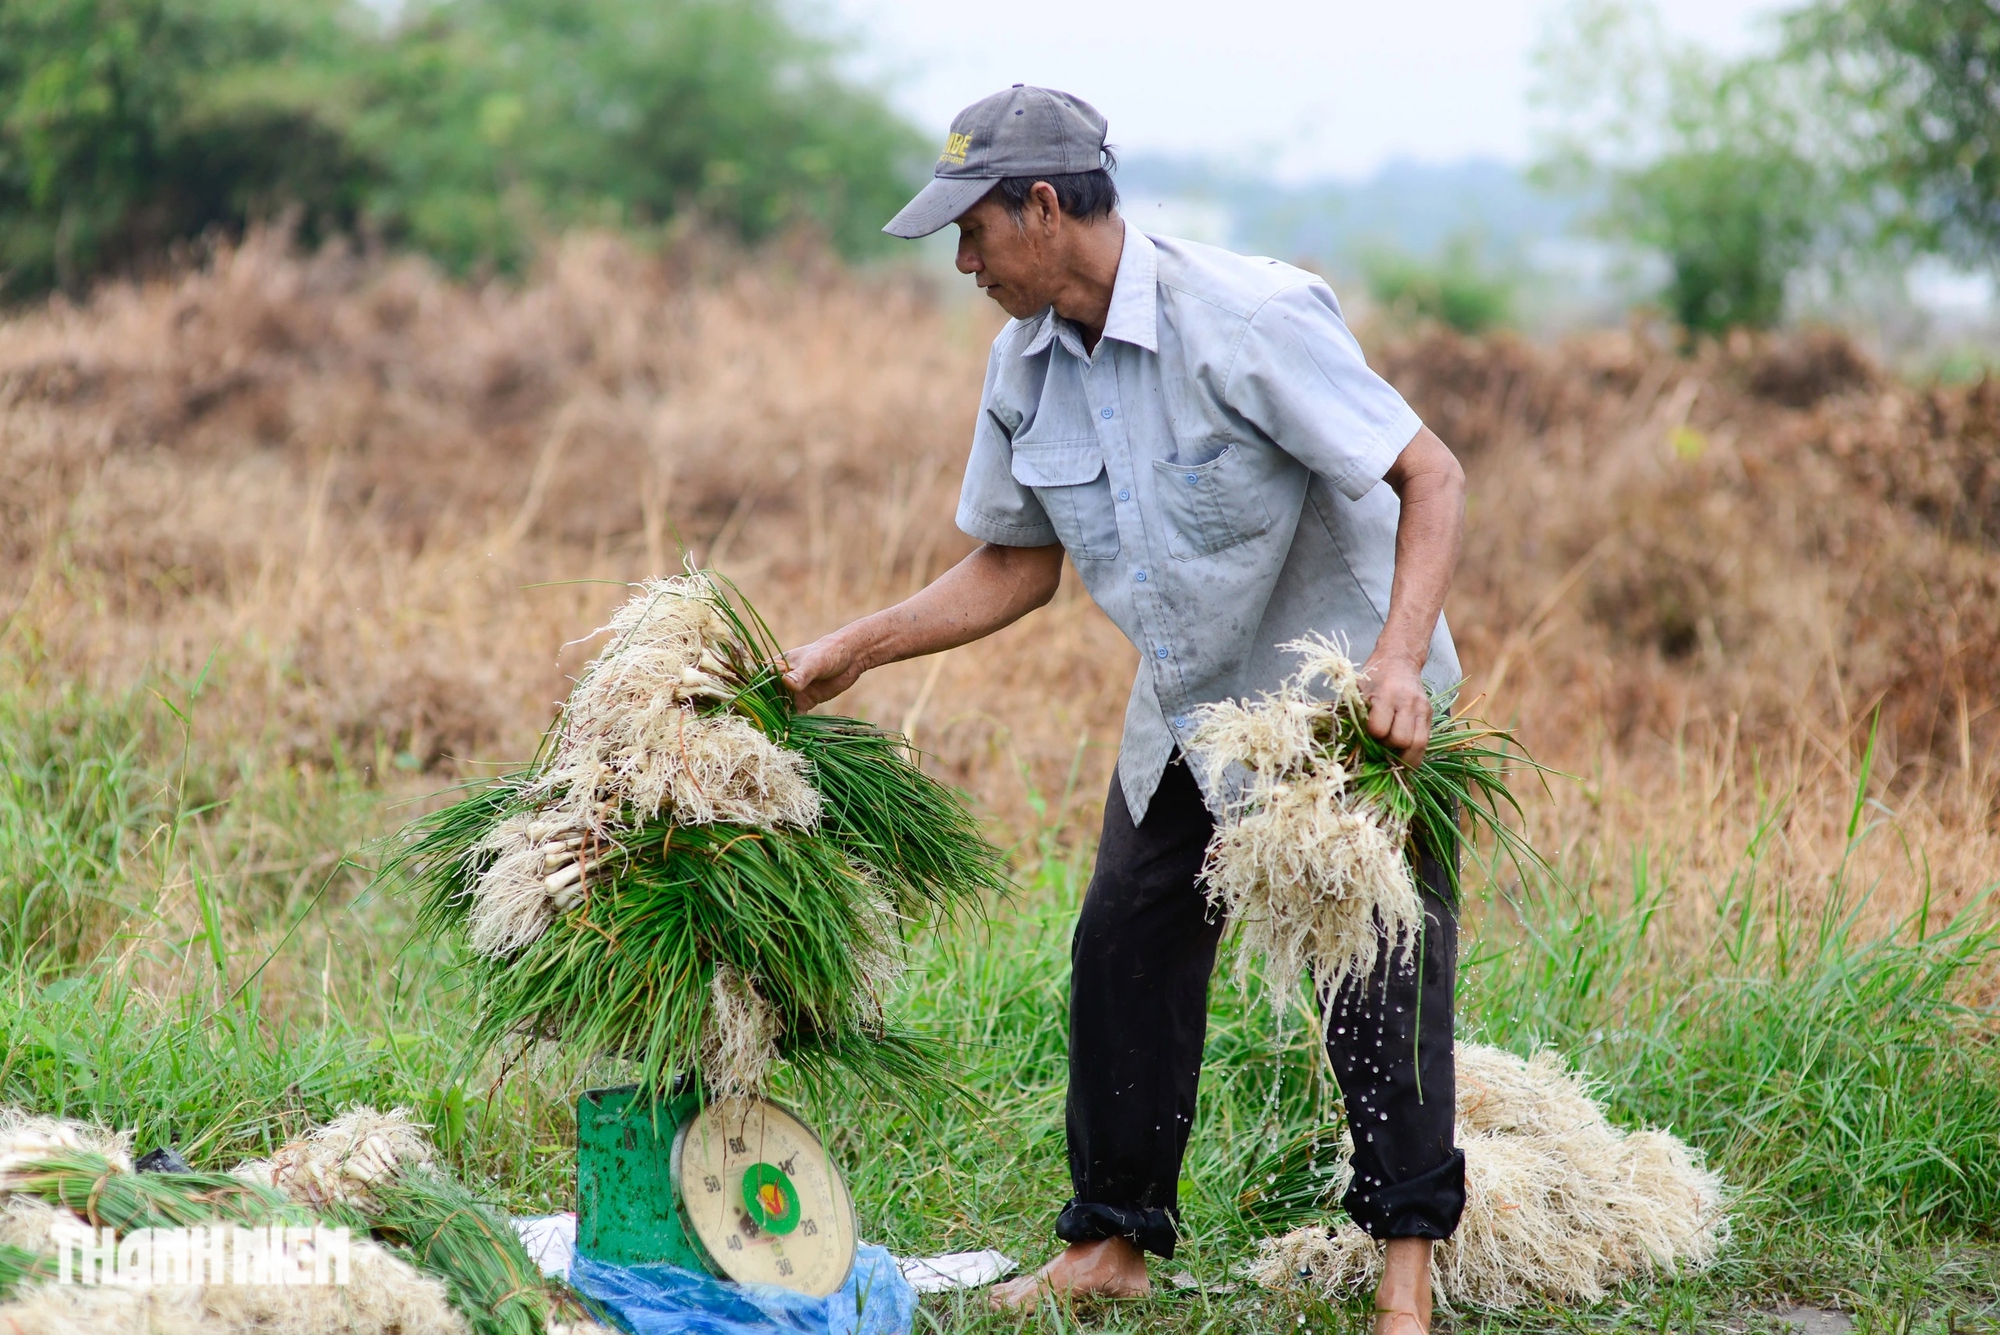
626	1207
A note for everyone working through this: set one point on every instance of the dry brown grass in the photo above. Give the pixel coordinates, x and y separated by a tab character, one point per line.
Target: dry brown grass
1694	582
1690	580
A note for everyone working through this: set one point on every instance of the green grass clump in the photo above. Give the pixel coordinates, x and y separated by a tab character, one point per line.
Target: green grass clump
80	794
1297	1184
111	816
1840	1075
228	1079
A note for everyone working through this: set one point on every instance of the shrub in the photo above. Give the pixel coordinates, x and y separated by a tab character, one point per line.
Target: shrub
1456	289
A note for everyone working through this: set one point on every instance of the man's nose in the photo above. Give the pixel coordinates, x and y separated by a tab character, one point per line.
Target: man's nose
968	261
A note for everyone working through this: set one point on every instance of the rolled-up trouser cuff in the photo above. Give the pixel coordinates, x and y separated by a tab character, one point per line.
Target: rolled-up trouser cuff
1152	1228
1421	1207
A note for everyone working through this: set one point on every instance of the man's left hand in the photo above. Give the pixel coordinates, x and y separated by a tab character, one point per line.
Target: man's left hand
1399	708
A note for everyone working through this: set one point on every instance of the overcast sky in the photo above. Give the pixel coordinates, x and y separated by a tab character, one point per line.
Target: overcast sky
1303	88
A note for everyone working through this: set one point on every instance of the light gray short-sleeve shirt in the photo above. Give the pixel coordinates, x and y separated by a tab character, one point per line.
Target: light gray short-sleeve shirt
1214	471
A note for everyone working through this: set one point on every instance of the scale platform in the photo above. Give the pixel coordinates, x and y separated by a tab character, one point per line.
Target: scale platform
738	1187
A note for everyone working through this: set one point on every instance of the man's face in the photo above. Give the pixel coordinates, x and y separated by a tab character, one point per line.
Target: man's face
1013	262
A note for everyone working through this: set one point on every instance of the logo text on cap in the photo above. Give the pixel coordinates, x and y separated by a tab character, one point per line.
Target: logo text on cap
954	148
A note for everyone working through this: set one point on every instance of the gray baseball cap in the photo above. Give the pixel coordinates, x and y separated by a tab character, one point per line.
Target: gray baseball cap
1021	132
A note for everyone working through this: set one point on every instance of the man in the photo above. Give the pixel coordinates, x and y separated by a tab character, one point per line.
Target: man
1199	433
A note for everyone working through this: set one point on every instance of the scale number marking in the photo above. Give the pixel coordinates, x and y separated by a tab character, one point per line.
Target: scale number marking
809	1228
737	1146
711	1183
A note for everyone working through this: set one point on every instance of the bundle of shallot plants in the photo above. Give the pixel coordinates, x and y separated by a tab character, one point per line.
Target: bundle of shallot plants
1312	856
432	1244
695	875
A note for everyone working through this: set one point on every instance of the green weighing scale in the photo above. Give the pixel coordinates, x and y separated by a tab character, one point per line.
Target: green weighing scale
738	1187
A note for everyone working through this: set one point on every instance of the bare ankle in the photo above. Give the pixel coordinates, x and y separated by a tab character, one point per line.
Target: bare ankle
1123	1251
1406	1283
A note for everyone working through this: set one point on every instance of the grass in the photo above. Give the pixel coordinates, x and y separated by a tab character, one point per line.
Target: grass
1841	1079
76	807
114	827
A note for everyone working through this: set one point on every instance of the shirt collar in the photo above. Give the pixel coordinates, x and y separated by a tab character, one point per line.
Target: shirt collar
1134	316
1135	294
1052	328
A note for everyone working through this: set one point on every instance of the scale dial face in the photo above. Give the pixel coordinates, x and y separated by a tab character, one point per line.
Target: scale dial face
761	1197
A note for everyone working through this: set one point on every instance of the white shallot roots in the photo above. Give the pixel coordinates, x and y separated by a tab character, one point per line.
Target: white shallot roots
631	744
339	1162
1314	874
1560	1205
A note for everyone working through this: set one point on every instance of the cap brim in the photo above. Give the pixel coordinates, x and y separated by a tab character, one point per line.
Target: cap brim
939	203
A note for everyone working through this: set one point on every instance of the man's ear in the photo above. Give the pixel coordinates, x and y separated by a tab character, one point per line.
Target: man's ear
1048	211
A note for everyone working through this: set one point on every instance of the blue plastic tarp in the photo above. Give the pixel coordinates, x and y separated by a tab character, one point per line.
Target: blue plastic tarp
667	1300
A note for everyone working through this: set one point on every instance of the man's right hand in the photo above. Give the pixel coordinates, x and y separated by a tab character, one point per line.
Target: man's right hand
823	669
993	587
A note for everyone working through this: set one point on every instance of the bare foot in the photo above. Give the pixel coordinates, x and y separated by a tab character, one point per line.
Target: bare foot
1399	1323
1403	1299
1113	1268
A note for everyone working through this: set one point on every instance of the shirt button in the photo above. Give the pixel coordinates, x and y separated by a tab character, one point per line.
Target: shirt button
1139	575
1193	478
1180	720
1124	495
1107	412
1160	652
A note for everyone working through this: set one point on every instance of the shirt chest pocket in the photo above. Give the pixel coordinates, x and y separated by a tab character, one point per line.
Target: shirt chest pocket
1069	480
1210	505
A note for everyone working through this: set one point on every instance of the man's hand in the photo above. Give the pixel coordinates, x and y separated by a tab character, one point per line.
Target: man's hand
993	587
1399	708
1431	487
822	670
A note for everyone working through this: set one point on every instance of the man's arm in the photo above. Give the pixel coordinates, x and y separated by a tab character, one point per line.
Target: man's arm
1427	478
994	587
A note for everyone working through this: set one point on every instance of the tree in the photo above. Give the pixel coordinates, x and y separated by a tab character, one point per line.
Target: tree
128	124
1915	85
501	116
466	128
1733	224
1701	161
